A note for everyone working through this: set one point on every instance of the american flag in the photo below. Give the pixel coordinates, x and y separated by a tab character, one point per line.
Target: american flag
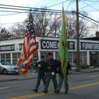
29	47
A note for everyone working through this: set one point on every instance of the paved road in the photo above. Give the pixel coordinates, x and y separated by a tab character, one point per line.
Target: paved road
82	86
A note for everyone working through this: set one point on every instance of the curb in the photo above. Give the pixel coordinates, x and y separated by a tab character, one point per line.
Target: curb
85	71
28	78
7	80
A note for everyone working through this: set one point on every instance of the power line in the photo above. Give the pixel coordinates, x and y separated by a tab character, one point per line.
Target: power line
89	5
74	12
38	10
59	3
15	6
14	11
89	18
92	0
17	9
84	6
12	8
71	1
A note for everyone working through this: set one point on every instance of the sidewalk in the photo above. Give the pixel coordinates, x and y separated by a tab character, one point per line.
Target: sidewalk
89	70
32	75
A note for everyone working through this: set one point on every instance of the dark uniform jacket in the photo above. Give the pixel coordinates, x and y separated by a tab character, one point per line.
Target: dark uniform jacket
41	66
51	65
60	68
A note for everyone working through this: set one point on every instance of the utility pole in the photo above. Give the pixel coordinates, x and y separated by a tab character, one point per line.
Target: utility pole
77	30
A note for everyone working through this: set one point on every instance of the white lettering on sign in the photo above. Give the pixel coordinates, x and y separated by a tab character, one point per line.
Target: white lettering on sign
89	46
49	44
53	44
7	48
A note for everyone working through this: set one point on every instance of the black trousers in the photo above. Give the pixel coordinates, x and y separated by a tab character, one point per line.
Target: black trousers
49	77
63	78
40	77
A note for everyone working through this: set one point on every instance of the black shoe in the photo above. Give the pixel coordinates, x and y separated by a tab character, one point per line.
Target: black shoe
45	91
35	90
66	92
56	91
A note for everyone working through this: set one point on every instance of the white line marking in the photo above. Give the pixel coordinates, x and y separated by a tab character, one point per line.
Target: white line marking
94	76
1	88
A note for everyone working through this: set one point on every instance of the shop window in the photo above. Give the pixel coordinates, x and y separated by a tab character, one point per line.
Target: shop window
15	57
6	58
83	58
3	58
20	46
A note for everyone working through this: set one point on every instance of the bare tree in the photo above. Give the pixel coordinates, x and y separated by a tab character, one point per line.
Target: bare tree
44	24
40	23
54	26
19	29
72	28
48	24
5	34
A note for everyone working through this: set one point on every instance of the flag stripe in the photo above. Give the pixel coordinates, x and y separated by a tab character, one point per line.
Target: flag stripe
28	48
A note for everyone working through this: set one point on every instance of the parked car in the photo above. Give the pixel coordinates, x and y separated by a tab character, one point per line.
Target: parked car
6	68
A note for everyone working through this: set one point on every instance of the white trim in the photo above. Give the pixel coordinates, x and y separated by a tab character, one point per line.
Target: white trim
39	54
11	58
88	58
54	55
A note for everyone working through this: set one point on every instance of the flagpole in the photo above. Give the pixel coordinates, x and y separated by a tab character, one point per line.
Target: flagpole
66	54
63	49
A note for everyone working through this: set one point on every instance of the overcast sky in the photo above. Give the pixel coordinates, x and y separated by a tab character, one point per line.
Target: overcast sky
90	6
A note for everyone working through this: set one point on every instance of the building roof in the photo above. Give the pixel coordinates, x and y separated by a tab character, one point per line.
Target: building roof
91	38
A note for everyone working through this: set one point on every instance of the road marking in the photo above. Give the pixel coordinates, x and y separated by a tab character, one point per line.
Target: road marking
43	94
94	76
28	96
1	88
84	85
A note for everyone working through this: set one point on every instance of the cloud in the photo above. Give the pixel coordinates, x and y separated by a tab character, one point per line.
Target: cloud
13	18
94	15
8	21
17	2
8	18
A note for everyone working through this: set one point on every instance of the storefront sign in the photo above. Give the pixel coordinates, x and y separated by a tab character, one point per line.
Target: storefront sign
49	44
7	48
53	44
89	46
71	45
